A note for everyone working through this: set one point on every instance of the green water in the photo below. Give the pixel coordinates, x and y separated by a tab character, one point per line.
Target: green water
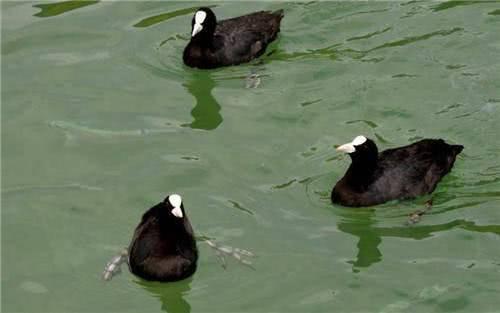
101	120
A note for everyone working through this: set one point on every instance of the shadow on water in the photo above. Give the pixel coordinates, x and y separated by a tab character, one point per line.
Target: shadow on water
53	9
171	295
370	236
206	112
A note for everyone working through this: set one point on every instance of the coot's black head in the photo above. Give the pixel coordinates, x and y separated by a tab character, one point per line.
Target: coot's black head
203	23
174	208
361	149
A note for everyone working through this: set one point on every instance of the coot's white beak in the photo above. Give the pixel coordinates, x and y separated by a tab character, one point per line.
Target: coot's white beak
196	29
351	146
347	148
177	212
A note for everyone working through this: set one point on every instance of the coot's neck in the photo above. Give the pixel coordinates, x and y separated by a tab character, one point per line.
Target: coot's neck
181	230
171	225
204	39
362	169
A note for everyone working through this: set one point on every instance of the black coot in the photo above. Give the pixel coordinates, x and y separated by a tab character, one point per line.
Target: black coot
163	247
232	41
404	172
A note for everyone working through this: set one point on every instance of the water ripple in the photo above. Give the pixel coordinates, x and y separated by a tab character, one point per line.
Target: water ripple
307	103
453	4
284	185
25	188
75	128
240	207
152	20
369	35
367	122
413	39
336	51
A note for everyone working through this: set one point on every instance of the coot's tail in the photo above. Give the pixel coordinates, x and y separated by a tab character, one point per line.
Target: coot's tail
456	149
280	13
275	21
453	151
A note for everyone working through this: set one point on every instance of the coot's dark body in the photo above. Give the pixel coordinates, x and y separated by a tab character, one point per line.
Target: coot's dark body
232	41
399	173
163	247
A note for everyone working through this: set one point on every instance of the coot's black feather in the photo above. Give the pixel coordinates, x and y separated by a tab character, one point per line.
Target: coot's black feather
400	173
163	247
232	41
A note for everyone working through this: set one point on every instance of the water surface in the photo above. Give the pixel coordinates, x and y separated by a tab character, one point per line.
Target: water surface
101	120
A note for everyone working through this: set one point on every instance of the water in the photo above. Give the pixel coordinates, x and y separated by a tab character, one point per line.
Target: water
100	120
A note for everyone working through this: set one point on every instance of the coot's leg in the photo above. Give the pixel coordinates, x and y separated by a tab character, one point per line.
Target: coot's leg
113	267
236	253
415	217
221	258
252	80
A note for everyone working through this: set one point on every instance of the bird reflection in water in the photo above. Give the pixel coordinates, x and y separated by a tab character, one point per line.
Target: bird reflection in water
370	236
171	295
206	111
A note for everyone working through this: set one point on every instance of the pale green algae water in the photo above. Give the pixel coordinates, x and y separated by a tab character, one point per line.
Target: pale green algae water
101	120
